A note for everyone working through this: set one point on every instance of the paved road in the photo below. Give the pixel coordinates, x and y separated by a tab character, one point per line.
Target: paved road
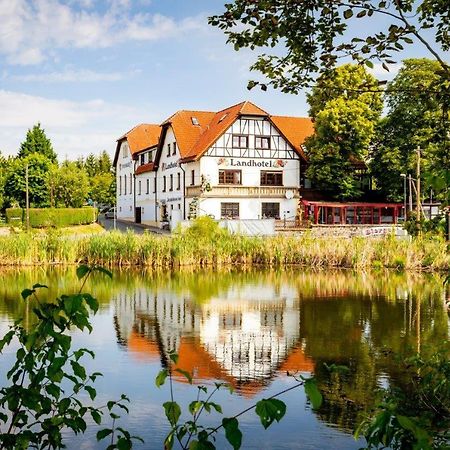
108	224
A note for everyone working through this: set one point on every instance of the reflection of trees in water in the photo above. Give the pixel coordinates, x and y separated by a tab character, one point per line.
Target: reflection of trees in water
370	338
362	320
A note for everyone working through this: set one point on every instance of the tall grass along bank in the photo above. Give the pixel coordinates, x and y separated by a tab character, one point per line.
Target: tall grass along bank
221	249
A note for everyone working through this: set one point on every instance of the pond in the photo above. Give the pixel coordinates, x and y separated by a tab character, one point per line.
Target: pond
251	329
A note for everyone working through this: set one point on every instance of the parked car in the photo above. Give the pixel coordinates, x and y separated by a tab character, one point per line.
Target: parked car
110	213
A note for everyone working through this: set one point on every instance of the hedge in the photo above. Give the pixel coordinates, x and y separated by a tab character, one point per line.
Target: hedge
53	217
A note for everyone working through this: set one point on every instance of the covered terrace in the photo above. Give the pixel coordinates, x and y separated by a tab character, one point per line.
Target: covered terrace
351	213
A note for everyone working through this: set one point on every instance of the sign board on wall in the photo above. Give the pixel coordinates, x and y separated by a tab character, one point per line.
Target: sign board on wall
263	163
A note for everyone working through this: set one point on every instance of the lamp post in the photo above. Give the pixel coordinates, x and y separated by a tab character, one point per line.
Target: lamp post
403	175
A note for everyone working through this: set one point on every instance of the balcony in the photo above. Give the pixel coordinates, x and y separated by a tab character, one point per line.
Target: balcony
244	191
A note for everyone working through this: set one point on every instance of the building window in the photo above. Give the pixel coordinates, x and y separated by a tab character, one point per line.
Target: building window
230	177
240	141
178	181
125	150
262	142
120	185
125	184
179	206
270	210
171	182
154	184
164	183
168	149
148	186
131	184
174	152
140	187
229	210
142	159
192	177
271	178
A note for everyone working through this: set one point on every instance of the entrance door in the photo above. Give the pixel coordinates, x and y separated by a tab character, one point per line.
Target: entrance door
138	214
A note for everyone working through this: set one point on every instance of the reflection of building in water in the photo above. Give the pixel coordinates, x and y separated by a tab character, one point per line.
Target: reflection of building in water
244	336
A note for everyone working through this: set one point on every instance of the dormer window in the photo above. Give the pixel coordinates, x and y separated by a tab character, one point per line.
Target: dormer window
168	149
174	152
142	159
194	121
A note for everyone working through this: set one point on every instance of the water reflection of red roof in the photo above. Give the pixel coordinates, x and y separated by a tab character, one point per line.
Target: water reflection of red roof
297	361
142	349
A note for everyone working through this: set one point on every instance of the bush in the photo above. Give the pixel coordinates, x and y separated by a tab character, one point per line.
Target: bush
53	217
14	216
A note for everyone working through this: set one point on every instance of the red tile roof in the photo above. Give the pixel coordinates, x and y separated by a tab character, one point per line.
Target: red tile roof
194	140
139	138
149	167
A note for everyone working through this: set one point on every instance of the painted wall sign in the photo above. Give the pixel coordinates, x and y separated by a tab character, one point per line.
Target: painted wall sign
277	163
171	165
173	199
124	166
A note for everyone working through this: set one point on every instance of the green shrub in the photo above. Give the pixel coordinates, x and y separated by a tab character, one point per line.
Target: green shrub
14	216
53	217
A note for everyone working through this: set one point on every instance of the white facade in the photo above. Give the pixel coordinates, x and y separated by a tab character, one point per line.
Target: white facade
250	172
125	183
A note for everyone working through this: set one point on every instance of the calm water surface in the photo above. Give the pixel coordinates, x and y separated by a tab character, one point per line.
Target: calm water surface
249	329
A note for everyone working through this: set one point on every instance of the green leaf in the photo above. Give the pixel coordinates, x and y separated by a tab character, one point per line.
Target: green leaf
82	271
78	370
369	63
173	412
103	270
269	410
103	433
232	432
313	393
124	444
26	293
194	407
92	392
161	377
348	13
96	416
174	357
186	374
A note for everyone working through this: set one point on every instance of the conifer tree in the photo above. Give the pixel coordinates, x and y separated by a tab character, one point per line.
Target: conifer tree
37	142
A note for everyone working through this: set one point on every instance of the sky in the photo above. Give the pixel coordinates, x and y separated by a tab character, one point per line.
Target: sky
89	70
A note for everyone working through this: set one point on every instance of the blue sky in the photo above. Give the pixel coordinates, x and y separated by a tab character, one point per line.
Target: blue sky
90	70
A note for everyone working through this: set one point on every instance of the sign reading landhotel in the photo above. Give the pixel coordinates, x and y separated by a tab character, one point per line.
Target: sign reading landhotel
278	163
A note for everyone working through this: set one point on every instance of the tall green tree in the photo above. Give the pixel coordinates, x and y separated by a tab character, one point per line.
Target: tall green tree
104	162
91	165
344	116
37	142
69	185
39	168
102	188
415	118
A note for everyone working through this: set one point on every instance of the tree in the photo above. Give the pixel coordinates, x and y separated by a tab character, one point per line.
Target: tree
344	123
104	162
308	38
70	185
415	118
37	142
39	168
91	165
103	189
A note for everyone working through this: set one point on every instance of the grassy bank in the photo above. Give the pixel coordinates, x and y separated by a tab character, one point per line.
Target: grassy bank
217	249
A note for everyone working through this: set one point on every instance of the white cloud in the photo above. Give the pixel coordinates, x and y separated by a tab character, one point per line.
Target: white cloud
380	72
30	30
75	128
80	76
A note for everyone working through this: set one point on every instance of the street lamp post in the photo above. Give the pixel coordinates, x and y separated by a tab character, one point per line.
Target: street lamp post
403	175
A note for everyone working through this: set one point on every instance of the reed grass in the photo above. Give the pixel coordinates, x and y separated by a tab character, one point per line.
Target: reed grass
221	249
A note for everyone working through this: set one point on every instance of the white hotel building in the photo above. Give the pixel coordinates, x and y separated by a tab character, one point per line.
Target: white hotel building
238	163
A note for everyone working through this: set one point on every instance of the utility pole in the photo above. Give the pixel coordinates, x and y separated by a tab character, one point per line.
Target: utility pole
419	203
27	199
410	193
